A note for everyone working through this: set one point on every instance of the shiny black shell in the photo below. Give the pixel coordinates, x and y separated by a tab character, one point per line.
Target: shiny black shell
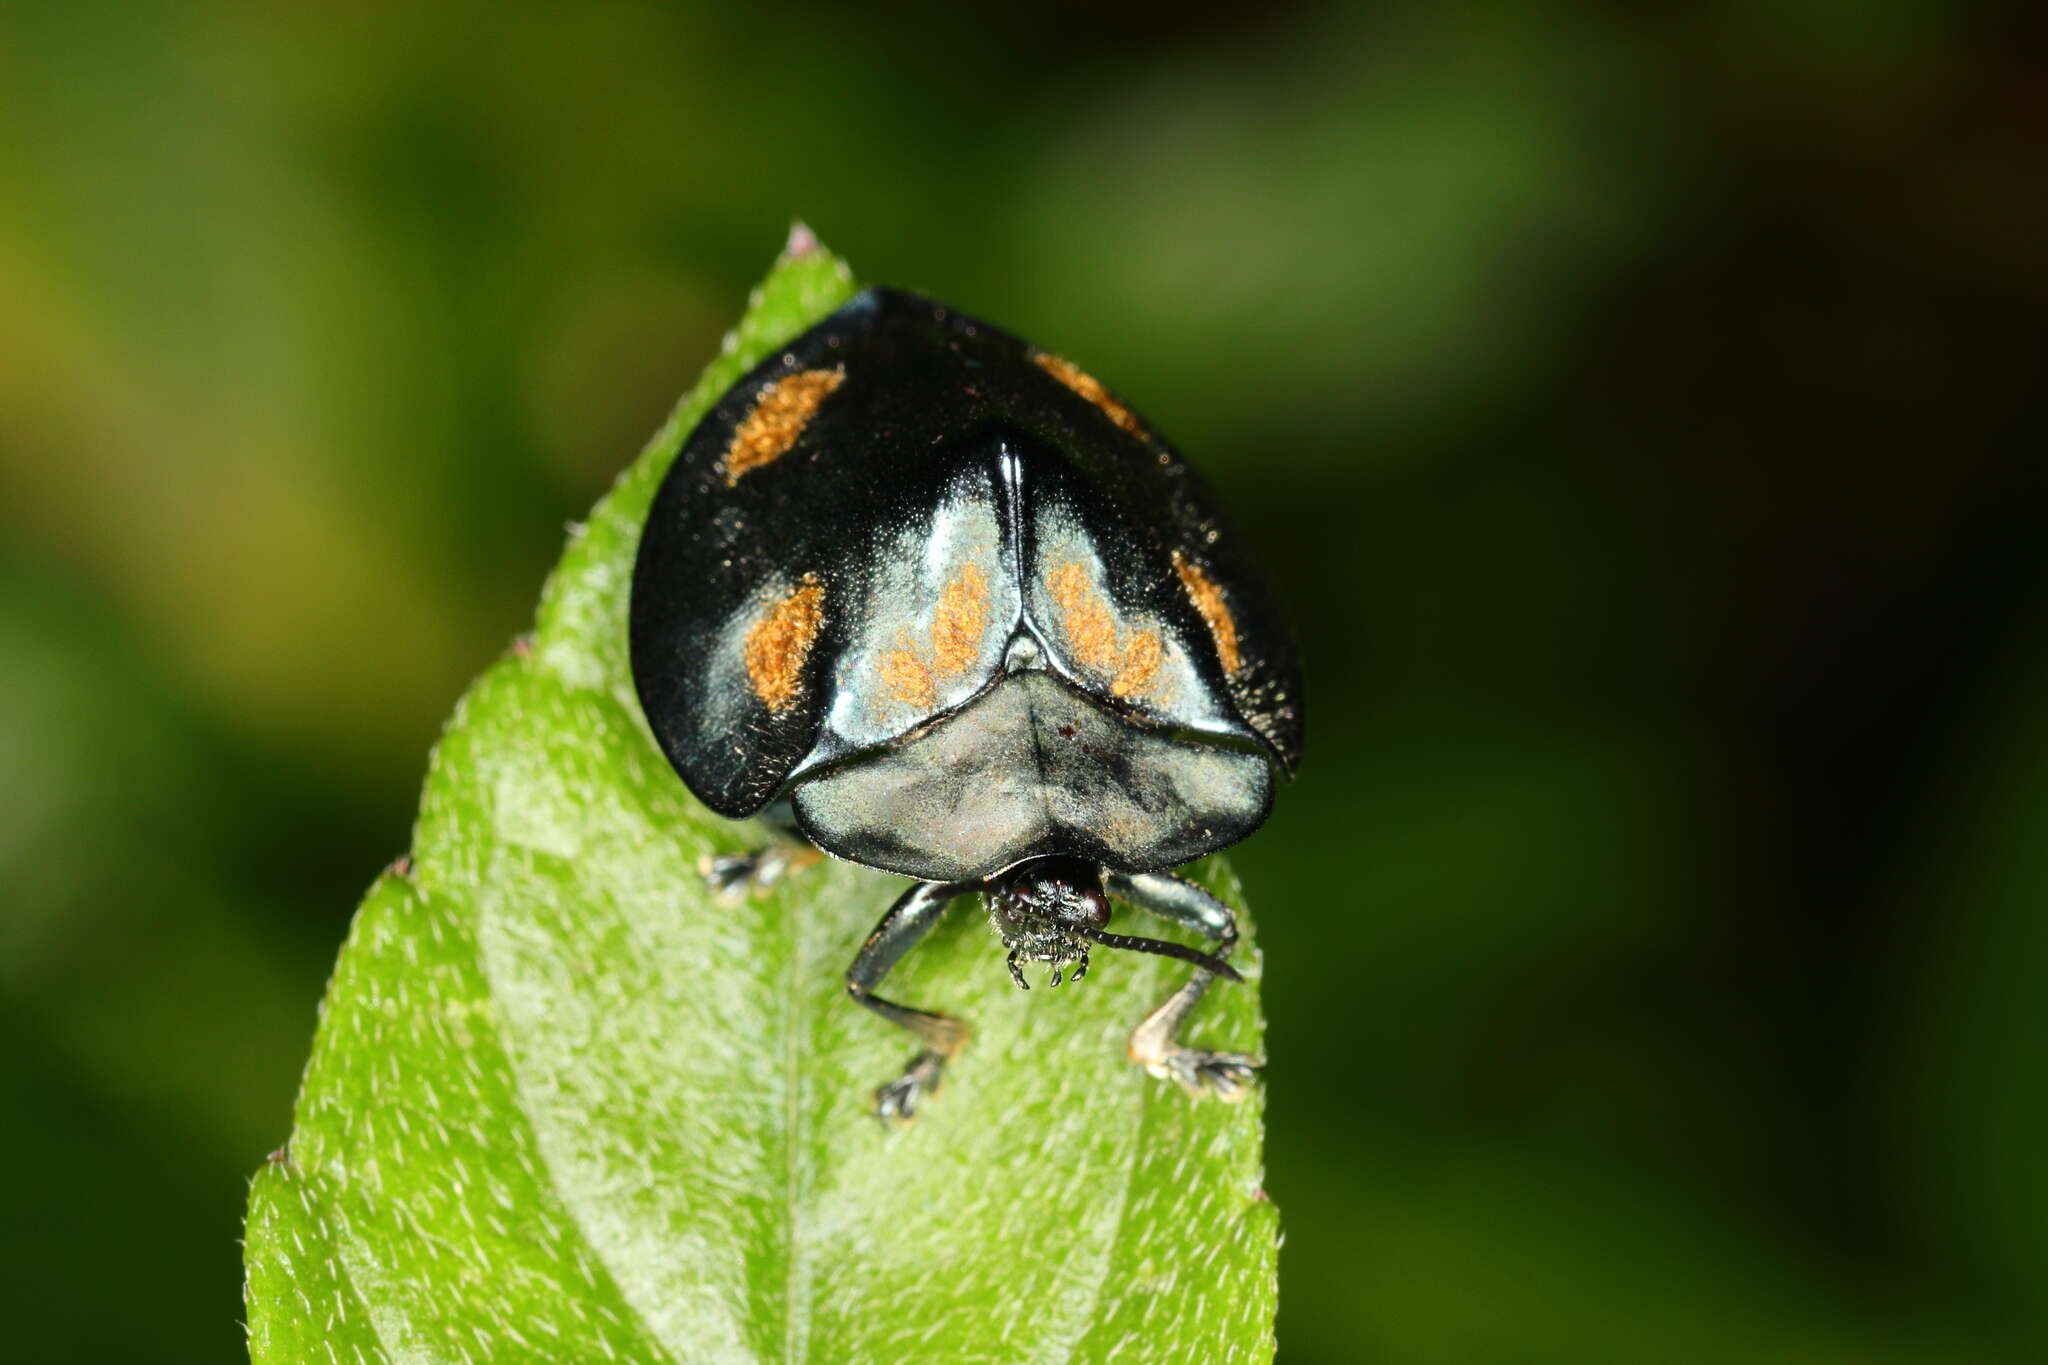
961	605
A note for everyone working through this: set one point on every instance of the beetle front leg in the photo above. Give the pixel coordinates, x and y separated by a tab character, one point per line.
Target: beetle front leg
908	920
1155	1044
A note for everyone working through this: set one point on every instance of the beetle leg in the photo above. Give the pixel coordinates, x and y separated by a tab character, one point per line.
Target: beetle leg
908	920
735	876
1154	1043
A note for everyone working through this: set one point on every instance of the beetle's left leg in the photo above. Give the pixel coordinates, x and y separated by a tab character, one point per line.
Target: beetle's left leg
736	875
1154	1044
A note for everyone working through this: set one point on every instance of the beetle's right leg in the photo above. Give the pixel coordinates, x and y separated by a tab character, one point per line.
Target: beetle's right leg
1155	1043
908	920
734	876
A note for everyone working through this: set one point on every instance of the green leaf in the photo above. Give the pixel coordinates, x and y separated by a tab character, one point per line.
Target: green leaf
565	1106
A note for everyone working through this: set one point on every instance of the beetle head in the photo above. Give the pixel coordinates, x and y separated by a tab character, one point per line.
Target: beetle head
1045	910
1053	909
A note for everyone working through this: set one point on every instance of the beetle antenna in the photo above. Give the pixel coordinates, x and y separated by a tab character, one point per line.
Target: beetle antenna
1159	947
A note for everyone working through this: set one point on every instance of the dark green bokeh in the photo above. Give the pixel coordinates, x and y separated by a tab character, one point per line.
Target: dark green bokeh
1645	417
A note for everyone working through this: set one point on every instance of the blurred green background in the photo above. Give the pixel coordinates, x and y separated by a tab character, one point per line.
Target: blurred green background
1643	413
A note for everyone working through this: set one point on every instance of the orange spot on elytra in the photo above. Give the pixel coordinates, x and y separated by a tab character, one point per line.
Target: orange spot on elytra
960	621
957	626
1091	630
1143	653
778	417
1131	660
778	644
908	678
1090	388
1208	600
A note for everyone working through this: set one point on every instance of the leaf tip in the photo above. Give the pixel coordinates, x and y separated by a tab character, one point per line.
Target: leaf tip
802	241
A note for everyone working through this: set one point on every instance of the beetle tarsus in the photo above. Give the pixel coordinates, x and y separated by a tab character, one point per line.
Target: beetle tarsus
1226	1076
735	876
731	875
896	1103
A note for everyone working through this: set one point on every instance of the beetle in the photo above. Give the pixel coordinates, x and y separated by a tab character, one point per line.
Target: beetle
935	601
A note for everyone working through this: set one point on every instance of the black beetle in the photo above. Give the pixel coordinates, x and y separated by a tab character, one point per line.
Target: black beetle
936	600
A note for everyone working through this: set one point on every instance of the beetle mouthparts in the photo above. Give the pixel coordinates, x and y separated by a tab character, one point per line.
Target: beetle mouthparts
1057	954
1159	947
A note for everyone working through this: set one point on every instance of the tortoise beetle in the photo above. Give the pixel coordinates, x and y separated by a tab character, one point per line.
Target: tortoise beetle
937	602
